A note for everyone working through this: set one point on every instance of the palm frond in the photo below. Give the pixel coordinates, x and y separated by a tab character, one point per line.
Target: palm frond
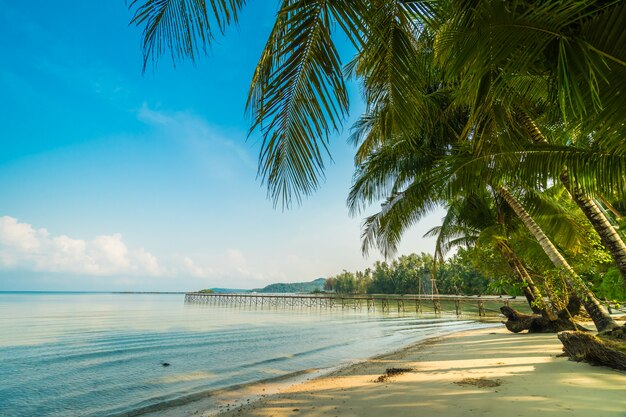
573	46
556	214
602	39
183	27
391	64
388	171
596	171
384	230
298	94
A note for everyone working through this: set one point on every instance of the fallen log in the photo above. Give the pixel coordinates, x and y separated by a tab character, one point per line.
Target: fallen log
540	323
586	347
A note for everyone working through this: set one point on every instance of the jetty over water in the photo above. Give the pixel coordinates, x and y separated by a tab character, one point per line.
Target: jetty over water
425	303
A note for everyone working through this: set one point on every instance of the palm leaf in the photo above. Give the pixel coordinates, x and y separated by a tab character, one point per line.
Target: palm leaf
596	171
183	27
298	94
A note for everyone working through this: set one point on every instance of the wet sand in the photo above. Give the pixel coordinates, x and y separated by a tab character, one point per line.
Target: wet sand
487	372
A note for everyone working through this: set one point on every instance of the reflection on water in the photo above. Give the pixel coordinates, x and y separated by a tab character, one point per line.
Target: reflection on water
192	376
103	354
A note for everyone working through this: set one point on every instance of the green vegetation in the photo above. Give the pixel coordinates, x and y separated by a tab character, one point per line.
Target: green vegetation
507	114
471	271
303	287
207	291
405	275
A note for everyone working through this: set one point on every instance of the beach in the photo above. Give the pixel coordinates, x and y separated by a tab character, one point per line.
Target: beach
231	362
486	372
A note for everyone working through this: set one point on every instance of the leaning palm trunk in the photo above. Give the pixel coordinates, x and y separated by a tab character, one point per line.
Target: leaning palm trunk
531	292
609	237
597	312
545	319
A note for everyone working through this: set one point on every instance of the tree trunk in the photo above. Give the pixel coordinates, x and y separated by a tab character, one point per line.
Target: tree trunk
597	312
535	323
609	237
589	348
611	240
531	292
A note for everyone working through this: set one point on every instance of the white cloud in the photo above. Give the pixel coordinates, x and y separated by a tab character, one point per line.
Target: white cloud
190	267
147	262
20	235
24	247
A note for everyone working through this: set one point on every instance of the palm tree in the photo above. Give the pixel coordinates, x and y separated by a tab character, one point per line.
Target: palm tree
504	54
474	220
608	234
417	170
598	313
414	190
298	94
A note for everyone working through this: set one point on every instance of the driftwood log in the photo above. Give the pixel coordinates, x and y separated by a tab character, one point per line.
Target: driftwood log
540	323
586	347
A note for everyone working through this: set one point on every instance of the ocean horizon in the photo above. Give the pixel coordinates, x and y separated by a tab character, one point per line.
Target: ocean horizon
102	354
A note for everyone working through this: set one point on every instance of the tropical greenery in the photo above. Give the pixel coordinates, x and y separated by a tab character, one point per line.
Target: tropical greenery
413	274
474	270
509	114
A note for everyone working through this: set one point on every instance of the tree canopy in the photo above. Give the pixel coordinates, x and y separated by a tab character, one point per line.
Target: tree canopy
507	114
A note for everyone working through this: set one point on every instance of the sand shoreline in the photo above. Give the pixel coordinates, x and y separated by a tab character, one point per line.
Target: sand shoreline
485	371
214	402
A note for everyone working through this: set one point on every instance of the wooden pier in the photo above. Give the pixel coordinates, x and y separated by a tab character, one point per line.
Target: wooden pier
437	304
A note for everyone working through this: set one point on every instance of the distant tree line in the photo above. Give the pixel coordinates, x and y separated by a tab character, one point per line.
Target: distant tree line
411	274
470	271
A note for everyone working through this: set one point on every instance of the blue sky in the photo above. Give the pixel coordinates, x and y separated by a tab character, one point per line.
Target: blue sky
111	179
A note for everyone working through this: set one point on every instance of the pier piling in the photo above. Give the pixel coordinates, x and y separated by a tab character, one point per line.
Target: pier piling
454	304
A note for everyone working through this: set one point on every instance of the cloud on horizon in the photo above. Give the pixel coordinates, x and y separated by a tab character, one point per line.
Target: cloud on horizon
26	248
23	247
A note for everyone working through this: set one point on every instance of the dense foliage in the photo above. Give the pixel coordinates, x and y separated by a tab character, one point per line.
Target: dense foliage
470	271
412	274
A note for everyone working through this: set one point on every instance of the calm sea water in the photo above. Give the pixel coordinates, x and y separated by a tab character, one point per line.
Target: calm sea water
64	354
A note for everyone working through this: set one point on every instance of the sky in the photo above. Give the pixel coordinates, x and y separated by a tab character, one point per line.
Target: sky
115	180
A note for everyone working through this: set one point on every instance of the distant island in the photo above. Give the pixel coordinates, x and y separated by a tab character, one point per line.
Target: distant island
317	285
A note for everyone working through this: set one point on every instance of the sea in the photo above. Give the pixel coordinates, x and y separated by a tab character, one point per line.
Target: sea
103	354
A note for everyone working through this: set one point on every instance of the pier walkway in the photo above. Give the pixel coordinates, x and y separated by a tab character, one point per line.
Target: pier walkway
437	304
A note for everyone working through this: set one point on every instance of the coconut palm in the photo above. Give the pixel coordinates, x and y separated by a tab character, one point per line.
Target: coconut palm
515	53
471	221
298	93
417	173
519	52
415	191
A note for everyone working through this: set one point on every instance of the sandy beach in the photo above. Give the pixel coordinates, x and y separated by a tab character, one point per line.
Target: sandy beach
488	372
